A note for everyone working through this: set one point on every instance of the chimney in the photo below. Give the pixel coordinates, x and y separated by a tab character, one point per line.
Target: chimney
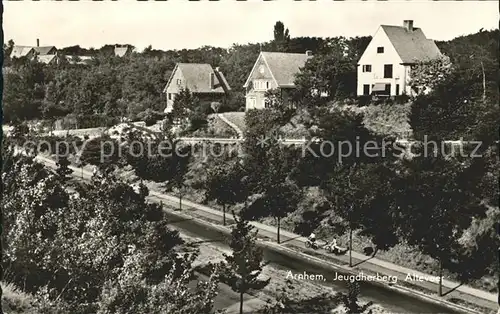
212	80
309	53
408	25
38	42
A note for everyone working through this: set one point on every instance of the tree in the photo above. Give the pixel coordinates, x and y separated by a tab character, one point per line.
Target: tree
281	37
426	75
186	107
224	184
350	299
245	264
62	168
93	251
179	165
437	194
326	77
278	194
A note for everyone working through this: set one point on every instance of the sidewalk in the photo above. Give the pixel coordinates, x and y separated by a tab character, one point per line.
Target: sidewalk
360	261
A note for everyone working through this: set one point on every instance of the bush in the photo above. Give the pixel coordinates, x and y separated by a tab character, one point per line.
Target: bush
150	117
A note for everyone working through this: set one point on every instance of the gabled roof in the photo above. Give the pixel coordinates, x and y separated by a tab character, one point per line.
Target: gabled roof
44	50
20	51
412	46
283	66
46	58
197	77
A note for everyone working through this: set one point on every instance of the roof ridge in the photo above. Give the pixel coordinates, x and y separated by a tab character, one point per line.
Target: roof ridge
287	53
194	63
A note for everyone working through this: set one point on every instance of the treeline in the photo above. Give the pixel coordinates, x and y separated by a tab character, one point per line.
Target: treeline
110	86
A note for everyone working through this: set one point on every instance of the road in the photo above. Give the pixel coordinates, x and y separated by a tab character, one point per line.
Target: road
391	300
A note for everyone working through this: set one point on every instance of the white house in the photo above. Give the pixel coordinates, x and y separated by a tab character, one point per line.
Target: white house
384	68
273	70
203	81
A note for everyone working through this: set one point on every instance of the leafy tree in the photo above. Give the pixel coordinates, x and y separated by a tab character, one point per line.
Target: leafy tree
224	184
426	75
179	165
331	74
281	37
437	194
62	168
350	299
84	253
245	264
278	194
187	107
101	151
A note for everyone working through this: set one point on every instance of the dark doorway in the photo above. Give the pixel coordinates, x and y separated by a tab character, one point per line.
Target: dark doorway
366	89
388	71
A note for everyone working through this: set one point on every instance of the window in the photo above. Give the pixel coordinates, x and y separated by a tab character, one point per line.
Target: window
397	89
380	49
169	96
367	68
388	71
179	81
366	89
261	85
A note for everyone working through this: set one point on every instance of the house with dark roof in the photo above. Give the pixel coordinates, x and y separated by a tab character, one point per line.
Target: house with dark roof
203	81
273	70
385	66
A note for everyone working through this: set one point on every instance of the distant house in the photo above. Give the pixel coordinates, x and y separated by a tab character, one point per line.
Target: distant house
206	83
47	59
123	50
273	70
46	50
45	54
78	59
22	51
385	66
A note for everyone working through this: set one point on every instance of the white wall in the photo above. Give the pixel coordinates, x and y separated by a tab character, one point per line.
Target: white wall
258	95
377	61
174	89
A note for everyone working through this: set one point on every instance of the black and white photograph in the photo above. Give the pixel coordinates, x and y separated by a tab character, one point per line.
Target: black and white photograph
250	157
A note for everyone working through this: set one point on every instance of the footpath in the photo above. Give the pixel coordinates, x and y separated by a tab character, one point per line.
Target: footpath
232	125
361	263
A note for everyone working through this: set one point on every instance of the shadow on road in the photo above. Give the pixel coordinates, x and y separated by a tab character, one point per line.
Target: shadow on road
207	241
174	221
451	290
362	261
290	239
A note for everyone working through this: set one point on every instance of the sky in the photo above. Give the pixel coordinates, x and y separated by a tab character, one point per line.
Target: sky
179	24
